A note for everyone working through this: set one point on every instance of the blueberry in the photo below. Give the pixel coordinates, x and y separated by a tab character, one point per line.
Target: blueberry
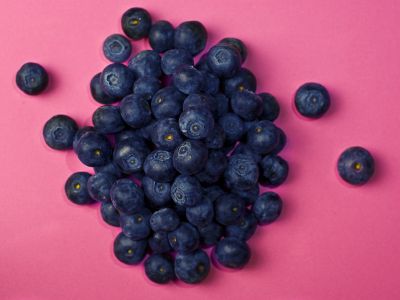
136	23
244	228
99	186
117	80
214	168
222	104
190	157
159	268
94	149
224	60
232	253
146	131
159	243
164	219
242	81
146	63
184	239
201	214
233	127
216	139
192	36
109	214
210	234
247	105
75	188
312	100
274	170
248	125
229	208
59	132
146	86
97	92
192	267
211	83
137	225
135	111
263	137
117	48
167	103
174	59
128	134
166	134
249	196
271	107
186	191
158	194
238	44
202	63
242	172
196	124
130	154
267	208
356	165
188	80
127	196
245	149
213	192
200	101
129	251
158	166
161	36
107	119
282	142
32	79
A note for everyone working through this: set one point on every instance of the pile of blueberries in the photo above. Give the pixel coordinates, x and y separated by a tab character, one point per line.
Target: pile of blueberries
179	149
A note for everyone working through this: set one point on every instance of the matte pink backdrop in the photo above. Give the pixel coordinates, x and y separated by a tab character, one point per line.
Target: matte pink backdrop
332	241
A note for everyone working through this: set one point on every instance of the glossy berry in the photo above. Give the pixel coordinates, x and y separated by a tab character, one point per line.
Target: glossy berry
238	44
59	132
80	132
135	111
127	196
109	214
159	268
99	186
282	142
136	23
241	173
94	149
184	239
186	191
232	253
164	219
107	120
137	225
242	81
158	194
117	80
146	86
117	48
173	59
146	63
130	154
196	124
356	165
200	214
190	157
271	107
229	208
312	100
192	36
233	127
166	134
188	80
267	208
167	103
210	234
161	36
247	105
224	60
76	188
263	137
129	251
98	93
192	267
158	166
159	243
244	228
274	170
32	79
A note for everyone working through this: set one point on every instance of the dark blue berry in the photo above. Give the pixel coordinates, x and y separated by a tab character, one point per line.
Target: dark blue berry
76	188
32	79
184	239
135	111
213	192
164	219
107	119
190	157
94	149
146	87
271	107
99	186
175	58
232	253
233	127
146	63
274	170
245	149
158	166
249	196
222	104
166	134
312	100
188	80
196	124
98	93
244	228
136	23
224	60
117	48
214	168
229	208
127	196
110	168
238	44
161	36
263	137
210	234
242	81
167	103
159	268
241	173
192	267
59	132
247	105
186	191
129	251
159	243
130	154
282	142
192	36
109	214
137	225
216	139
201	214
158	194
267	208
117	80
211	83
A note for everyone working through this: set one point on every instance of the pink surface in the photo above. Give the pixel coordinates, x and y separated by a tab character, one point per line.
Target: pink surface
332	242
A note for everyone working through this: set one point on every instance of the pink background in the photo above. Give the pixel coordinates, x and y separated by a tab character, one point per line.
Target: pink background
332	242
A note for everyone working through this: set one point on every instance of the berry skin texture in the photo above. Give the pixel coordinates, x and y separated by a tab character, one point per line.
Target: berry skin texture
196	124
192	267
166	134
107	120
117	80
184	239
249	196
267	208
224	60
159	243
81	132
186	191
238	44
233	127
243	80
164	219
146	86
263	137
229	208
247	105
76	188
158	166
158	194
232	253
210	234
312	100
129	251
94	149
241	173
136	23
173	59
117	48
244	229
167	103
59	132
130	154
97	92
192	36
188	80
32	79
136	226
201	214
135	111
190	157
356	165
99	186
127	196
109	214
159	268
274	171
146	63
161	36
271	107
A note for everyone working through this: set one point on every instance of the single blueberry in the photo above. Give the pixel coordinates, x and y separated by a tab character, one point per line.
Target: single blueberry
263	137
216	139
192	267
159	243
186	191
167	103
117	48
274	170
159	268
135	111
267	208
210	234
196	124
166	134
117	80
136	23
129	251
158	194
224	60
76	188
164	219
229	208
244	228
130	154
146	86
201	214
312	100
247	105
188	80
184	239
98	93
242	81
158	166
190	157
127	196
233	127
32	79
146	63
271	107
161	36
232	253
200	101
99	186
192	36
282	142
94	149
107	119
241	173
109	214
238	44
214	168
59	132
137	225
174	59
249	196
